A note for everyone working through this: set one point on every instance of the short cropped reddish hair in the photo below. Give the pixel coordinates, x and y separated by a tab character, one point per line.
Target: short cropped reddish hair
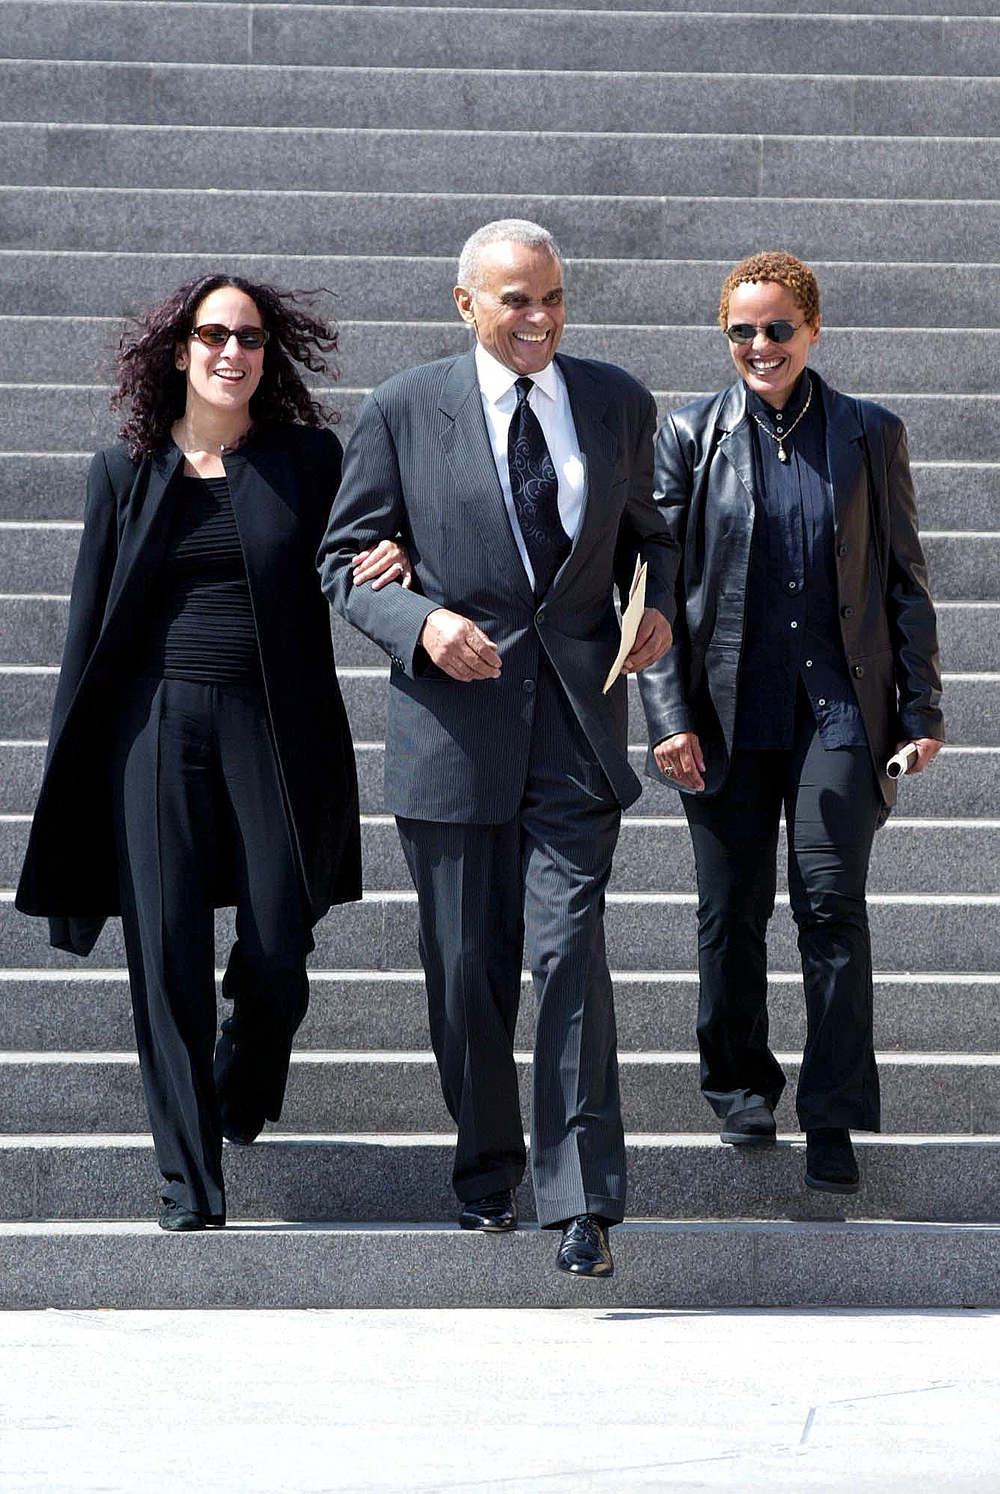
780	267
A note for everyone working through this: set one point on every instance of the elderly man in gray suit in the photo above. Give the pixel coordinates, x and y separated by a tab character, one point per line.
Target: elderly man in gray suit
521	483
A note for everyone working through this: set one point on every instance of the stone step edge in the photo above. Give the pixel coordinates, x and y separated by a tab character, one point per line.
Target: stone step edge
638	821
448	260
690	899
391	1057
634	1140
622	977
87	453
881	396
245	68
762	137
658	1264
583	198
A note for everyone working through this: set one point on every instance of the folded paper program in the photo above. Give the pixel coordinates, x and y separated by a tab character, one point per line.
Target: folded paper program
631	618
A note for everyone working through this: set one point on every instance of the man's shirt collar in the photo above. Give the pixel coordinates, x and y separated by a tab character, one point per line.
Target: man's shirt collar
496	379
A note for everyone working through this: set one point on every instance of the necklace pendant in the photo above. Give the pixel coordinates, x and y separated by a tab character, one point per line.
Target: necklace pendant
782	453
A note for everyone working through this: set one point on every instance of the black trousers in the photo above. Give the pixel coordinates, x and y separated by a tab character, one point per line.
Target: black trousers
831	802
486	894
199	806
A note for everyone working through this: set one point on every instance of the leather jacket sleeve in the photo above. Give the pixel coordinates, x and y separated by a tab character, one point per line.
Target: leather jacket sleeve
909	609
663	686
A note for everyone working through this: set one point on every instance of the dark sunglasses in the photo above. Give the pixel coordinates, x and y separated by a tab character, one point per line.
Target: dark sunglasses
773	331
215	335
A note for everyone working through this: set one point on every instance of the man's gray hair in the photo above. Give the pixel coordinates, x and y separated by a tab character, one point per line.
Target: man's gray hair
507	230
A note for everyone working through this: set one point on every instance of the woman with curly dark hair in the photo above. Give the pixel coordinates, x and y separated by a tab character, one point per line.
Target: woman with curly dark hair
200	754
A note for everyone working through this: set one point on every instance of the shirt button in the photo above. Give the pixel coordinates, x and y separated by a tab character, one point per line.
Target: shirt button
794	625
809	663
528	687
791	586
821	701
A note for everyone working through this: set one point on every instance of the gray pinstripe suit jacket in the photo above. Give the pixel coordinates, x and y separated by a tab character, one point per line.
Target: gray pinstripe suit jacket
419	464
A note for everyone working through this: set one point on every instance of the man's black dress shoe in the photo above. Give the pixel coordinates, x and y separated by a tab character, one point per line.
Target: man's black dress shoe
831	1165
751	1127
584	1249
495	1213
178	1220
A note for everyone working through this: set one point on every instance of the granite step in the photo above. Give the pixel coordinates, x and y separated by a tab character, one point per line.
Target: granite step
33	625
658	1265
53	418
80	1009
654	854
955	933
341	1093
26	691
38	557
470	98
35	486
394	36
723	226
388	1178
965	781
850	8
61	282
75	350
325	160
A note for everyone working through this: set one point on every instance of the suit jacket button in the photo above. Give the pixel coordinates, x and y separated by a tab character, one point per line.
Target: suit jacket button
841	549
529	687
847	611
858	671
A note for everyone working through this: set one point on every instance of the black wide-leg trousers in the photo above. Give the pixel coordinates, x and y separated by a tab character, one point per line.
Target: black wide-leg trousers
199	807
831	803
487	894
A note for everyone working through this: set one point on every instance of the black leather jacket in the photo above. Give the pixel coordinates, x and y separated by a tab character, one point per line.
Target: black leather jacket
704	487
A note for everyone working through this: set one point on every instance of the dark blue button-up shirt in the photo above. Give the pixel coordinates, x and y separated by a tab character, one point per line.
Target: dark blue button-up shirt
792	628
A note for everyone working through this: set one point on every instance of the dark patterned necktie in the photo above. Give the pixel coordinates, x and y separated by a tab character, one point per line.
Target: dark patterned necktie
534	488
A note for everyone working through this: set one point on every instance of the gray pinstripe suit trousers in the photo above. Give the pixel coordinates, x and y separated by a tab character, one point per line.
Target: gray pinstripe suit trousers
488	895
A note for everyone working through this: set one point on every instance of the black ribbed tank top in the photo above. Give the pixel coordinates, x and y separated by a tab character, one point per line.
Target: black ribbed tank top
203	627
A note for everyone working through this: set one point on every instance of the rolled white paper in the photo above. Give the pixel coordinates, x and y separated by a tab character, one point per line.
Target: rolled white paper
902	761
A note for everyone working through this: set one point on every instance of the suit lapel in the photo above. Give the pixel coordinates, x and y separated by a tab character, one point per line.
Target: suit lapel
598	440
465	443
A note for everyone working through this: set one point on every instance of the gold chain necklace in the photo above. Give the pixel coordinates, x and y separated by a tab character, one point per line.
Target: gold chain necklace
782	453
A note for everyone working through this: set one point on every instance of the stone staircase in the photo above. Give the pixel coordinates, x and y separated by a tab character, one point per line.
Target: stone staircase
360	146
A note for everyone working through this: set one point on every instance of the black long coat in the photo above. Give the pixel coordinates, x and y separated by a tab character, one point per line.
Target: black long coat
282	483
705	489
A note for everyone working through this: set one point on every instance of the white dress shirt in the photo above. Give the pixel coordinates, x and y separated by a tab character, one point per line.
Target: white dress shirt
550	402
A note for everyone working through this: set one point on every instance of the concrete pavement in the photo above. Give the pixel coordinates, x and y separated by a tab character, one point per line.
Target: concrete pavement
545	1402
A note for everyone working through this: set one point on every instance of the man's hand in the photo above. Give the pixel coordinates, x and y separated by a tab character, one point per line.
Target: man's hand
927	750
651	642
681	758
458	647
386	562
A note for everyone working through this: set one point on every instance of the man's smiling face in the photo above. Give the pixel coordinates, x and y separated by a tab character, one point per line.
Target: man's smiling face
517	306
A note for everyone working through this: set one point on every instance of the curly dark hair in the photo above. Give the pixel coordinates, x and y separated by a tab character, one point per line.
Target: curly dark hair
152	390
779	266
